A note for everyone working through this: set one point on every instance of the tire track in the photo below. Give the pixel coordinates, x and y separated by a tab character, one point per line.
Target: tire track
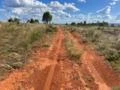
54	55
87	61
28	78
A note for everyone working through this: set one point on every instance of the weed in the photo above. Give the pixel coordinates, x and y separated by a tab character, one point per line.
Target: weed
116	88
105	39
73	53
17	42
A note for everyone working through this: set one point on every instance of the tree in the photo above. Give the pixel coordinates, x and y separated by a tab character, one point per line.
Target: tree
47	17
14	20
73	23
10	20
85	22
33	21
36	21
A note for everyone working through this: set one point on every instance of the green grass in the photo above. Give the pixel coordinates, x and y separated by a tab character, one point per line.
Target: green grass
17	42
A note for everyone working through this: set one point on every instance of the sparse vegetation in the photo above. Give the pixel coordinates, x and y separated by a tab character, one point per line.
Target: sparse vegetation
116	88
33	21
73	53
14	20
17	42
105	39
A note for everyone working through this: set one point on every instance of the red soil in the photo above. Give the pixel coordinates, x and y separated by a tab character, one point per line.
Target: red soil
53	70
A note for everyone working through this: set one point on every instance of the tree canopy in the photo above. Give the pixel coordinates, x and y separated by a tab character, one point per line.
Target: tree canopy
33	21
14	20
47	17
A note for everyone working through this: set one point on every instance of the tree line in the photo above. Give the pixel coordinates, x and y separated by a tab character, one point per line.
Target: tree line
46	18
89	24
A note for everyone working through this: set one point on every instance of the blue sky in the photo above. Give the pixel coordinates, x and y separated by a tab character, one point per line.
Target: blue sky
63	11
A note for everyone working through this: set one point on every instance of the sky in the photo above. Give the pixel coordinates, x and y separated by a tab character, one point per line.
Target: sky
63	11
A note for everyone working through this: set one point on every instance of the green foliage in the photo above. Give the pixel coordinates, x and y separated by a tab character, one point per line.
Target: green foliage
33	21
84	23
14	20
47	17
73	23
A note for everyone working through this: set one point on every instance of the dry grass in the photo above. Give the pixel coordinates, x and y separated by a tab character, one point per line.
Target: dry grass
17	42
105	39
73	53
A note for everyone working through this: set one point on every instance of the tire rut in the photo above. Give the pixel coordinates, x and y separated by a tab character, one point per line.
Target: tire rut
32	76
87	61
54	55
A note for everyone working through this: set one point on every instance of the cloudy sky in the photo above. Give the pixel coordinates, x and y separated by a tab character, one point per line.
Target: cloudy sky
62	10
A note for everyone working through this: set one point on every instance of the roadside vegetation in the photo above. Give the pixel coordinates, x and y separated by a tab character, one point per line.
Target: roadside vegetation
116	88
106	39
73	53
17	42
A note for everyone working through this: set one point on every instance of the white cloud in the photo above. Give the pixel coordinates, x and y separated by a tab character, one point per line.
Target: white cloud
114	2
71	7
105	12
84	1
56	5
61	13
24	3
25	9
66	6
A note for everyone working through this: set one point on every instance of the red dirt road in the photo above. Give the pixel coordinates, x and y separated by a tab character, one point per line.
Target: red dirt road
53	70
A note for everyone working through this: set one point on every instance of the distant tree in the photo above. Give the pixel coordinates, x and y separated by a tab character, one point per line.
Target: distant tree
14	20
33	21
73	23
66	24
103	23
36	21
80	23
47	17
84	23
10	20
112	25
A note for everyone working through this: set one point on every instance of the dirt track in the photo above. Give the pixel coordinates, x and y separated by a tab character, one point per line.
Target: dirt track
52	70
